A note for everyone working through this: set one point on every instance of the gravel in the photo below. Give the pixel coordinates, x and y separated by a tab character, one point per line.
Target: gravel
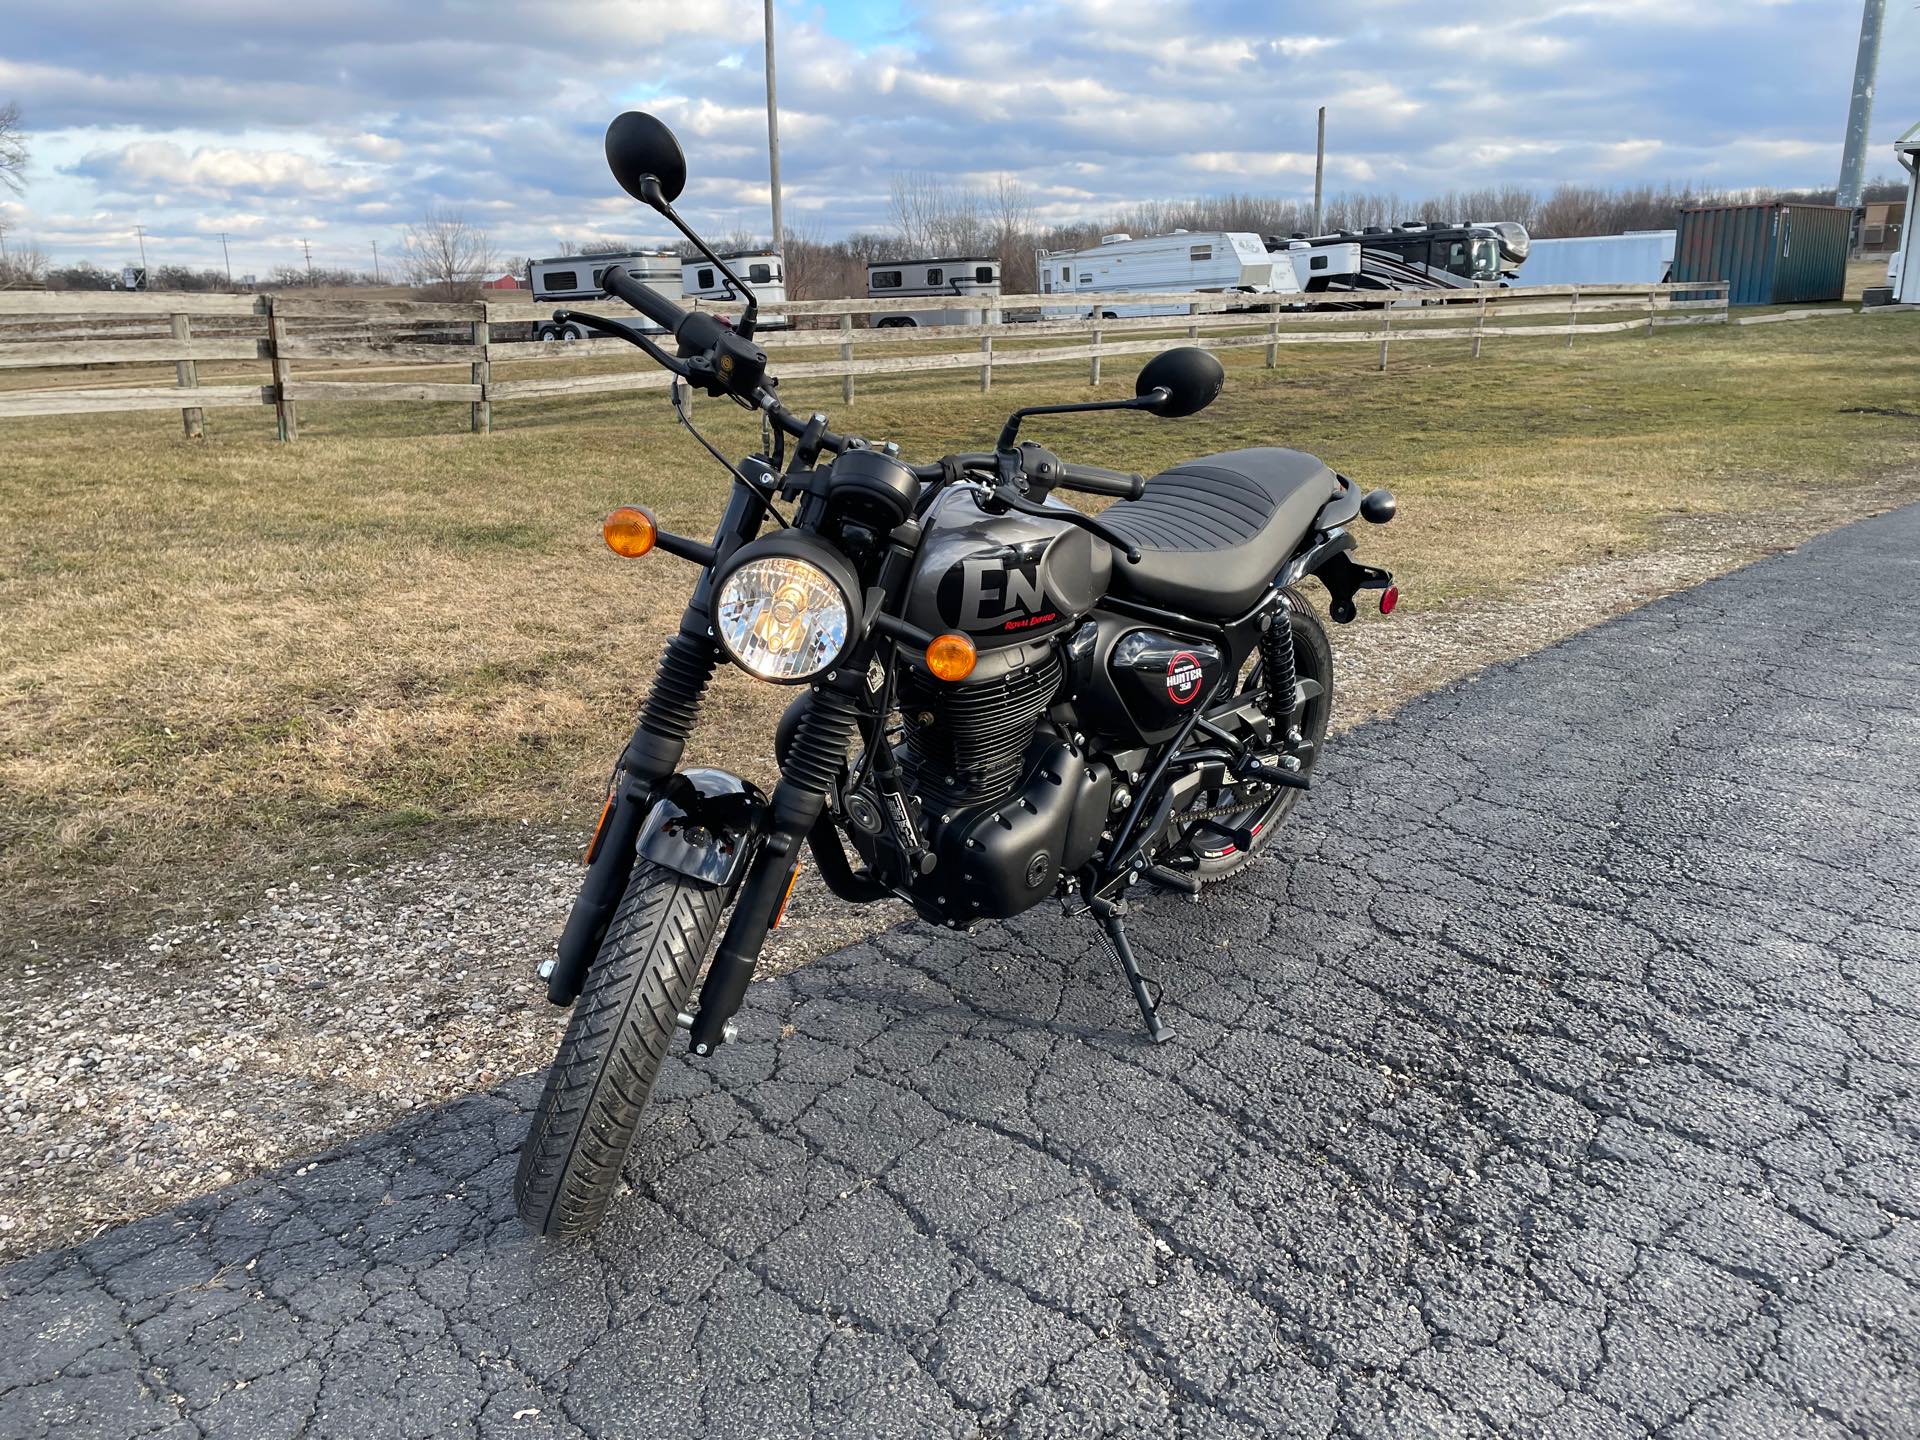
342	1000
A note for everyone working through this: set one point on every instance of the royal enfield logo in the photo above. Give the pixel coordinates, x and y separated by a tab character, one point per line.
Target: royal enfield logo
995	592
1183	678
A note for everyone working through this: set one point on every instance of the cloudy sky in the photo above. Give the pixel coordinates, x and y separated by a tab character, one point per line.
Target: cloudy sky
339	122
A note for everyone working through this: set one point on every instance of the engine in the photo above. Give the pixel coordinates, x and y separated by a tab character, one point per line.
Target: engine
1006	801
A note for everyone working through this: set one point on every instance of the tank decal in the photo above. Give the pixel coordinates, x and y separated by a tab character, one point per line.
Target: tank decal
1184	677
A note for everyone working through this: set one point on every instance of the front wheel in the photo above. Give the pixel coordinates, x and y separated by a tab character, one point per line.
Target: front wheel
616	1039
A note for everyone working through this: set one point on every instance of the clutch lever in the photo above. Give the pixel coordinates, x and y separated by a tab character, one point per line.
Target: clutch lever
621	331
1010	498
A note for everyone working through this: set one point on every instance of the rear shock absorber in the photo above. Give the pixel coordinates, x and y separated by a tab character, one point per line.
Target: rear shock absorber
1277	664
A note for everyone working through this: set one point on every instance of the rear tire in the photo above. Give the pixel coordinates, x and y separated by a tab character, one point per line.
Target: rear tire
617	1037
1313	659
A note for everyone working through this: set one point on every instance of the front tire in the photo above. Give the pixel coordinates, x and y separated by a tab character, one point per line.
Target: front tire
617	1037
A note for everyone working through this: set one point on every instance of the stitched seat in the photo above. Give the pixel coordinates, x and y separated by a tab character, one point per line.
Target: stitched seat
1213	532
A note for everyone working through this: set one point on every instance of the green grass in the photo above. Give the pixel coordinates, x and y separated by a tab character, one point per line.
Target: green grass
223	656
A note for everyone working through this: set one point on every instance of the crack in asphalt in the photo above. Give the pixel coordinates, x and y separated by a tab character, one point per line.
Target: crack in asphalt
1559	1076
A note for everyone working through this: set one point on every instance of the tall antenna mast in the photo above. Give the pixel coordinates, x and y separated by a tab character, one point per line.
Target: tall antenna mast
1853	160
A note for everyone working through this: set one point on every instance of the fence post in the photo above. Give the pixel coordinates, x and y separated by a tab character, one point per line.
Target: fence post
187	374
1479	324
846	357
1653	303
986	363
1573	313
1386	330
1273	341
284	411
483	374
1093	365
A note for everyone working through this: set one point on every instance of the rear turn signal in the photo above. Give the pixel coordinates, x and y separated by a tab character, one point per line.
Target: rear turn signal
951	656
629	531
1389	598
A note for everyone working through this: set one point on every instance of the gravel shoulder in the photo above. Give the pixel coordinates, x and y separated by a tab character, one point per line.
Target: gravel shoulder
341	1001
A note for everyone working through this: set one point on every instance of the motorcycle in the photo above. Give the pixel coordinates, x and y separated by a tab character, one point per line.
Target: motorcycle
998	698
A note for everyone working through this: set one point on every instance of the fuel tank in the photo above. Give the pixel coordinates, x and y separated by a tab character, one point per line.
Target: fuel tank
1003	579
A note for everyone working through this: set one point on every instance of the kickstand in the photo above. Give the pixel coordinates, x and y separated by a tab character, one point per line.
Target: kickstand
1146	993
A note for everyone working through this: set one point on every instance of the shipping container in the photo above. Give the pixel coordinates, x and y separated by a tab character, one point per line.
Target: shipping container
1768	254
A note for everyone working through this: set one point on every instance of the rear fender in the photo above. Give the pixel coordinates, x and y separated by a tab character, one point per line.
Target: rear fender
1329	560
704	825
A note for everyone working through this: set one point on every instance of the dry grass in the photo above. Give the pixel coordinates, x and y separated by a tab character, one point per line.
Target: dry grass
221	657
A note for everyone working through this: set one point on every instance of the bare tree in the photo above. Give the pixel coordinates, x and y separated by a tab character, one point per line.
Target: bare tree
13	149
23	267
446	256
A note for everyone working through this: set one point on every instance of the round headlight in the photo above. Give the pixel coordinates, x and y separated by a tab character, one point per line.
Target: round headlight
782	618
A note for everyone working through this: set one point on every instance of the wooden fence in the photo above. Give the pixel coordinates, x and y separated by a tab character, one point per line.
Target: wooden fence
278	334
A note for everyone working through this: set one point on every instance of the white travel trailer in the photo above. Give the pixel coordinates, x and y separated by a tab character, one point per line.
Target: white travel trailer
575	280
763	270
1184	261
1640	257
973	276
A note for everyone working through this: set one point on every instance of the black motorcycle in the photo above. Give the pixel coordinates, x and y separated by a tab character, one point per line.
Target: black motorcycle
999	698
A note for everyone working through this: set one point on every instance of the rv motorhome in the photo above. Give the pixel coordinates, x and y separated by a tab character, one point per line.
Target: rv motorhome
1408	257
567	279
974	276
763	270
1181	262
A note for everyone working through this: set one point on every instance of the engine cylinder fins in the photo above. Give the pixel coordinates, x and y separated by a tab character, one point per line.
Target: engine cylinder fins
967	741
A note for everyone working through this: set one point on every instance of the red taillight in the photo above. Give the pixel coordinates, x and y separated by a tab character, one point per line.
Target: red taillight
1389	598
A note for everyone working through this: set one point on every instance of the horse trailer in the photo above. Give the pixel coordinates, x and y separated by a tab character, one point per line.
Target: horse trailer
575	279
763	270
970	277
1180	263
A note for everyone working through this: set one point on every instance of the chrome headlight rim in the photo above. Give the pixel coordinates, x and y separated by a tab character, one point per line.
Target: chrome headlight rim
790	548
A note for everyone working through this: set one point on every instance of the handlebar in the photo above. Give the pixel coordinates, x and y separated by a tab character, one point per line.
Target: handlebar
647	300
1097	480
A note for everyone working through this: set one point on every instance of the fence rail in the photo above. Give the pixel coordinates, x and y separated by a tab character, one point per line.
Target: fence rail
64	331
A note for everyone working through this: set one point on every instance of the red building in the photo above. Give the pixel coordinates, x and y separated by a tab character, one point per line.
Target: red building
504	282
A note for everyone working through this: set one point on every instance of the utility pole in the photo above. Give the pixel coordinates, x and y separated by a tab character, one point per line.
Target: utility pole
307	246
141	231
1319	169
1853	159
224	255
376	262
773	133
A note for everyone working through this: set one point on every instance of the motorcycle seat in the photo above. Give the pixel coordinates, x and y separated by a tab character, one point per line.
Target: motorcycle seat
1213	532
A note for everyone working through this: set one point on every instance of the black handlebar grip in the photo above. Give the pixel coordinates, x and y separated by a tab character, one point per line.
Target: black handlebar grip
644	298
1095	480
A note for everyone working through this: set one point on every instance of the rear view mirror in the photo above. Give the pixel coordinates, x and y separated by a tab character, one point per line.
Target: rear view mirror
1189	376
641	149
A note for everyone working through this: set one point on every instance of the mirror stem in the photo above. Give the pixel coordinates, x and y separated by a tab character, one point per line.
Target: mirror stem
1011	431
651	193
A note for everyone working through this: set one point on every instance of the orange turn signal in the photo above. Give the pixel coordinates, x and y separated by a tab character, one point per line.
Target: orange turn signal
629	531
951	656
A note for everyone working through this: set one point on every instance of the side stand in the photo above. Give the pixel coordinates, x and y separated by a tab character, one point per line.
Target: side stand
1146	993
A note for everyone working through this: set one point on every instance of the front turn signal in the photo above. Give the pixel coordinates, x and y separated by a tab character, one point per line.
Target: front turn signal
629	531
951	656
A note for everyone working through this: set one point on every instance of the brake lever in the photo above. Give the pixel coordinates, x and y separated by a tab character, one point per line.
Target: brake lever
1013	500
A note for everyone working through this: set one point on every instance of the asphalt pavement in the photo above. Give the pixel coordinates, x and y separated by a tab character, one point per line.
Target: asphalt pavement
1562	1077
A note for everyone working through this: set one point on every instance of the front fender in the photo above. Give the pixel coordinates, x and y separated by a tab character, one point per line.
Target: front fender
703	825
